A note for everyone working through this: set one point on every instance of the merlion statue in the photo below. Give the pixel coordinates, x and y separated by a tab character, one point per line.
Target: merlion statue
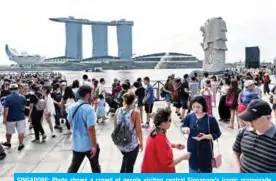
214	44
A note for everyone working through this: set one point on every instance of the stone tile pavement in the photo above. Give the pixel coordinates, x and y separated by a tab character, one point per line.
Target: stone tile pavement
55	154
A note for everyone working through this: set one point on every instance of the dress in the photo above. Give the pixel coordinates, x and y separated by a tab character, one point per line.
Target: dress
101	109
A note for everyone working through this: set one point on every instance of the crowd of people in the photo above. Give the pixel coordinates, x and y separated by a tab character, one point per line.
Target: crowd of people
32	98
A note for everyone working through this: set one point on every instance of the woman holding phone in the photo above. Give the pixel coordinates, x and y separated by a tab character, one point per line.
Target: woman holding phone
202	130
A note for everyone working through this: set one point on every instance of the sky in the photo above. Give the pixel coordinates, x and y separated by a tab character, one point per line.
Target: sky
159	26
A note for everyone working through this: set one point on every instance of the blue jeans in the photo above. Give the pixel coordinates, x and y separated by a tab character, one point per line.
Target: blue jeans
57	117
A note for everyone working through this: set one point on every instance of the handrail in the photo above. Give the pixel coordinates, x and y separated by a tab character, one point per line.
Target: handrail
157	86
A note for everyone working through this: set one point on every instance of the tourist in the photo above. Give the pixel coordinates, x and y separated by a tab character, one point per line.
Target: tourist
85	80
206	92
67	100
205	77
168	91
81	116
214	88
75	88
124	90
254	147
158	157
148	101
176	95
202	130
224	111
14	118
130	117
245	97
101	109
266	81
232	101
184	95
57	97
116	88
194	87
140	94
36	113
49	111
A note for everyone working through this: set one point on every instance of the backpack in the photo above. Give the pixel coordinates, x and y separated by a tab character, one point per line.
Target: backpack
230	99
122	136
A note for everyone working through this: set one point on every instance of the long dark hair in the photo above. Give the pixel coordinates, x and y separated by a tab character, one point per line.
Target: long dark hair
68	93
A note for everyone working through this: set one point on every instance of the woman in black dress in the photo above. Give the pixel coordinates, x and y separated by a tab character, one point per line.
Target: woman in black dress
224	111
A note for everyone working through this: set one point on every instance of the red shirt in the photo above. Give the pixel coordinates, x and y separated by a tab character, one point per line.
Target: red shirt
158	155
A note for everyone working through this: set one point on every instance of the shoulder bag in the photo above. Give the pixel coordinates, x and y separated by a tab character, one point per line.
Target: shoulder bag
216	160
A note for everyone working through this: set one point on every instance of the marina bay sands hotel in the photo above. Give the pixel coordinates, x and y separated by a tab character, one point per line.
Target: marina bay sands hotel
99	31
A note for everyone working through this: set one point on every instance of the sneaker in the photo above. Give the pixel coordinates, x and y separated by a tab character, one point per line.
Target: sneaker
35	141
6	144
147	125
68	132
20	147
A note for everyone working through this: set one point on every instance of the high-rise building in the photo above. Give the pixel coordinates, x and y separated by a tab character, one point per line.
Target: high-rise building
100	40
124	39
73	40
99	31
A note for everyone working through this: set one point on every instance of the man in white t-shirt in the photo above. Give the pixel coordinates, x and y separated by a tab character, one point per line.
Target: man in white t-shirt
101	87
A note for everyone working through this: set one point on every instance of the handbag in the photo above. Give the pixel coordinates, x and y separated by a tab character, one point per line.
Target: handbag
216	160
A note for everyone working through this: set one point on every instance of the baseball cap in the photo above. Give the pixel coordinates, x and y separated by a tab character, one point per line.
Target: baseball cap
249	83
13	86
255	110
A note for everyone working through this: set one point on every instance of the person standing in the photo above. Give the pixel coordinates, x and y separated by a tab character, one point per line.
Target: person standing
14	117
184	95
202	130
82	118
158	157
140	94
130	118
255	146
36	113
148	101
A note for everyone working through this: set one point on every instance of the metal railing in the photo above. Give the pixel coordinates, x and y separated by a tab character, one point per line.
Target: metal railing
157	86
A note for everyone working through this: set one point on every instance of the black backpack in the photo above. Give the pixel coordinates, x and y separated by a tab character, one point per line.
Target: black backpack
122	136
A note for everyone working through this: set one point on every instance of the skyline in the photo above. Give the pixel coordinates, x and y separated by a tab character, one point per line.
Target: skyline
161	27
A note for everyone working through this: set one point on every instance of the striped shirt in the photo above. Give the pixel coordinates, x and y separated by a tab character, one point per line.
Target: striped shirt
194	88
257	152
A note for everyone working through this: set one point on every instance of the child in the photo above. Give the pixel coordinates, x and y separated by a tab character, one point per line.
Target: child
101	109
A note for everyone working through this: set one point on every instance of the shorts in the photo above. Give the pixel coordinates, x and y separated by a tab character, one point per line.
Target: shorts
184	103
148	108
20	127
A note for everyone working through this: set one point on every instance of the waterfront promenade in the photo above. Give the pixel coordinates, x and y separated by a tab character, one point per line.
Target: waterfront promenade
55	155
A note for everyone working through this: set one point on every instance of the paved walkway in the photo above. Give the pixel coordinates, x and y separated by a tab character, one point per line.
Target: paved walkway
55	154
